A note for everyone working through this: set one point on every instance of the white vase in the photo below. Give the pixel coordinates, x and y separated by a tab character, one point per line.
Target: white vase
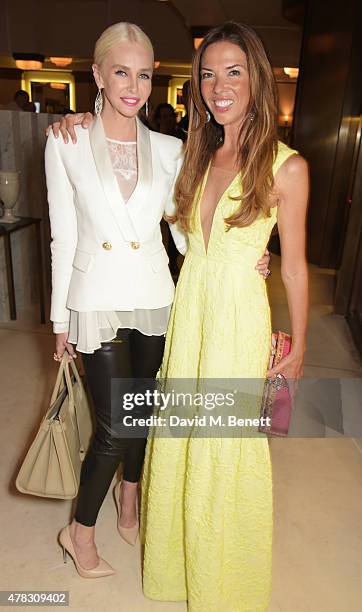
9	193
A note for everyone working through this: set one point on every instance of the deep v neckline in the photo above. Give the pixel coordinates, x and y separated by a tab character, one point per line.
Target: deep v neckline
203	185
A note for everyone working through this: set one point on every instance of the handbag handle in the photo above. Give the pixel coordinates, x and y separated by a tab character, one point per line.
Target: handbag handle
64	371
76	376
59	378
71	401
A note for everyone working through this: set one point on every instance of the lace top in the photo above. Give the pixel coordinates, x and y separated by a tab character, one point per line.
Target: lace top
124	161
89	329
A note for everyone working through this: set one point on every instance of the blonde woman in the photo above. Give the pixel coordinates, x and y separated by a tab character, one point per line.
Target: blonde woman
112	289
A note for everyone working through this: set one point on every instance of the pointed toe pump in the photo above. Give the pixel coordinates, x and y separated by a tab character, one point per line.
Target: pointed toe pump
129	534
102	569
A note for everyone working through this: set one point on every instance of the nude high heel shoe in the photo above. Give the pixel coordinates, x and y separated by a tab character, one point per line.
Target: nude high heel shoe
102	569
129	534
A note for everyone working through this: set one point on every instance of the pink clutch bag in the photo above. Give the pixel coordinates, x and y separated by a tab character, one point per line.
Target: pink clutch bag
277	403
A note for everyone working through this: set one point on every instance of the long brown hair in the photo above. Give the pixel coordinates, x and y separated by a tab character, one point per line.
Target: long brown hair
258	137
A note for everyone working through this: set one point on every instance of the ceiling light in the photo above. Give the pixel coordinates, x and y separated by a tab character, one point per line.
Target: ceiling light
28	65
28	61
58	85
61	62
198	34
292	72
197	42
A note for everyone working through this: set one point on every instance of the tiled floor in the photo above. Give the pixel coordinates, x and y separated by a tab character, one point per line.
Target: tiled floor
317	563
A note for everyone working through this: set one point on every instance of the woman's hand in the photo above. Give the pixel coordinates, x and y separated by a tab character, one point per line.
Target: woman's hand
67	123
263	265
61	345
291	368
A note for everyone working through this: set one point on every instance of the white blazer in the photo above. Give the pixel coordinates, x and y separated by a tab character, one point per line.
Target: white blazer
108	254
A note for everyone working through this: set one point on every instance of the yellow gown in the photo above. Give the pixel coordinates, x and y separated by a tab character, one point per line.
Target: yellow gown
206	514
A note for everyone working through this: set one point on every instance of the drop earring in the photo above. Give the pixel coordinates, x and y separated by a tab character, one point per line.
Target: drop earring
252	116
146	109
98	104
208	116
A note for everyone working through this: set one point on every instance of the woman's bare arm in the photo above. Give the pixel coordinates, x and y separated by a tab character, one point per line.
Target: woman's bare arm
292	185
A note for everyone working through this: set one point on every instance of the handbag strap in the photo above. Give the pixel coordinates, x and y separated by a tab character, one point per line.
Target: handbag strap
77	377
59	378
71	398
63	372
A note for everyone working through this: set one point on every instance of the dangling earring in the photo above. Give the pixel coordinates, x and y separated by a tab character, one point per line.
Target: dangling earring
146	110
252	116
208	116
98	104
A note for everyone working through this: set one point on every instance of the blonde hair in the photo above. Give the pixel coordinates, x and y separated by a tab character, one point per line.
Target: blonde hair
117	33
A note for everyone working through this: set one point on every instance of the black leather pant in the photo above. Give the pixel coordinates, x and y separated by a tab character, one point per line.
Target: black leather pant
135	358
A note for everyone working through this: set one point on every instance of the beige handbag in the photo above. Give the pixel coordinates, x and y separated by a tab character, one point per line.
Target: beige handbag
52	465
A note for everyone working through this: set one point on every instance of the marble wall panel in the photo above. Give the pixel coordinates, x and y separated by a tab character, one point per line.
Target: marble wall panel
22	143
